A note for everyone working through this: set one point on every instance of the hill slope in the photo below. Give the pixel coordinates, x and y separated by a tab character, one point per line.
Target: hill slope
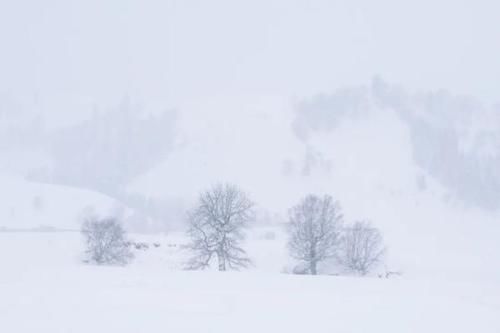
26	205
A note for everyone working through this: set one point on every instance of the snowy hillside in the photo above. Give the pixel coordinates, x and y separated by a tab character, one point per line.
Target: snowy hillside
26	205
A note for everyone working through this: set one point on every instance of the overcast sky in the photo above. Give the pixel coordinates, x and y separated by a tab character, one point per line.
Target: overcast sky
68	56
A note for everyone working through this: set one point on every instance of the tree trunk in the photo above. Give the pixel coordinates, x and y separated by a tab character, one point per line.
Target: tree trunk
312	268
222	261
313	259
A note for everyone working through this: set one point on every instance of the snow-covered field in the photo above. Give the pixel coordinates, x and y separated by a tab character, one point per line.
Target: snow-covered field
45	288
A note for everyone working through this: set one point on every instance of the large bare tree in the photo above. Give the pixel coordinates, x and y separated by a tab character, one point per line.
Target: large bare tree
362	248
314	230
216	228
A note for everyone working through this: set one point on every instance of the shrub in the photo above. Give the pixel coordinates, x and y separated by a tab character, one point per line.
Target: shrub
105	242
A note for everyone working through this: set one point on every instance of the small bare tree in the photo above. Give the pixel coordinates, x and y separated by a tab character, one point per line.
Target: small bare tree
362	248
314	230
105	241
216	228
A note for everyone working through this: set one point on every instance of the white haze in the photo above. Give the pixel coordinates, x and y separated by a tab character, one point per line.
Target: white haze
67	57
104	95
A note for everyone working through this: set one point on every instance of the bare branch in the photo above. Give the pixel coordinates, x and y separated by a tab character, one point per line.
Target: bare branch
216	227
362	248
105	241
314	230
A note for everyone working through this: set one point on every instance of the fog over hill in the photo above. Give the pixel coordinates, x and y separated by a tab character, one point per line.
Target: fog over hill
148	101
454	139
377	136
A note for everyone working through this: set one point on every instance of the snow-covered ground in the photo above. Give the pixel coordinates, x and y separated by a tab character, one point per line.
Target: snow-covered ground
45	288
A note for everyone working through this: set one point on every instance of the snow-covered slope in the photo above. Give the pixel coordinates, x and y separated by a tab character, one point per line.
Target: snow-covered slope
242	142
27	205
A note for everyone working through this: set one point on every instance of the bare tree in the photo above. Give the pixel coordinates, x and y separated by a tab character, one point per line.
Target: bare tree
314	230
216	227
362	248
105	241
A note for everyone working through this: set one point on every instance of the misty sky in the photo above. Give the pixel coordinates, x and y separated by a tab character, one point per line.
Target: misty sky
67	57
